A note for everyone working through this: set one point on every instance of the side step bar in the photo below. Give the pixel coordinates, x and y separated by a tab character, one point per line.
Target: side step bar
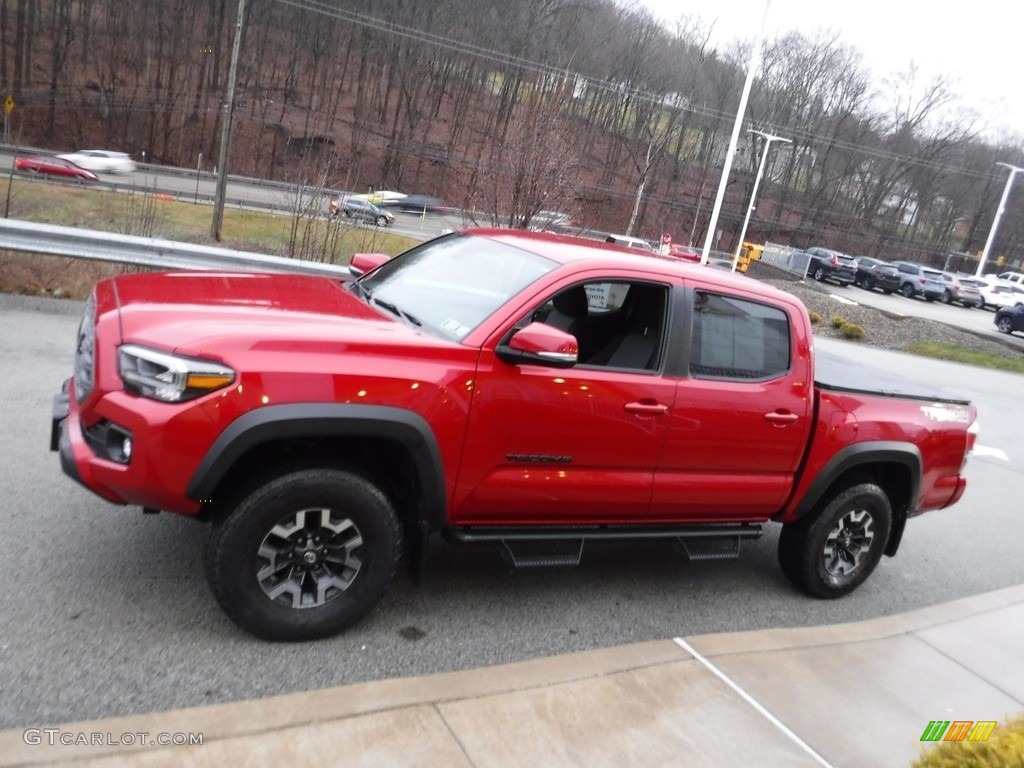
538	546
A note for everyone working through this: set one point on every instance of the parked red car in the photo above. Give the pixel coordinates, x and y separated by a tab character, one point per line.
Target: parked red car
53	166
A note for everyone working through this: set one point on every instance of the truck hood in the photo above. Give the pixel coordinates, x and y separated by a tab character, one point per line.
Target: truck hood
204	313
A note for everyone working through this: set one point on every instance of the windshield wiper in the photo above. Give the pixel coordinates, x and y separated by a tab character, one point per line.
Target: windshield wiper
396	311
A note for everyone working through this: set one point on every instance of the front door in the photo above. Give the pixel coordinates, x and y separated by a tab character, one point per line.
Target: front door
571	446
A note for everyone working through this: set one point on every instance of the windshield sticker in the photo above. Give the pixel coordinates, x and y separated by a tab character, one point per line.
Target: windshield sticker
455	327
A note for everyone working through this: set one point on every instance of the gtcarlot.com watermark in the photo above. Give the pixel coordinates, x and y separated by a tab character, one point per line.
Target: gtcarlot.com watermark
59	737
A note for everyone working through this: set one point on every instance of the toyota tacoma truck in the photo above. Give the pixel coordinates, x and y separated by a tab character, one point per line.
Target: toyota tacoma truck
528	390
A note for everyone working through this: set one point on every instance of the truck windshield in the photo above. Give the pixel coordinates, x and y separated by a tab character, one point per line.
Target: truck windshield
452	284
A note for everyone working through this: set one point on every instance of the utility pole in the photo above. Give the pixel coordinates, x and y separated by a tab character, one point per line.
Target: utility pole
225	136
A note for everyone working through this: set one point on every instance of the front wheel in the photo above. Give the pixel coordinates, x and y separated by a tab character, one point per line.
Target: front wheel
907	290
867	283
947	297
833	553
381	221
819	274
305	555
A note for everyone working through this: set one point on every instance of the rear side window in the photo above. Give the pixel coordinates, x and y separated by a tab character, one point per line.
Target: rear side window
734	338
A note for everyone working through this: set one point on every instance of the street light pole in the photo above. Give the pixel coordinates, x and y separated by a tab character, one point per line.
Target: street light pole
723	182
1014	170
768	139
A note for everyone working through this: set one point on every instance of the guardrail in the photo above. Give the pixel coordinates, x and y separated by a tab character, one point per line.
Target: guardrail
52	240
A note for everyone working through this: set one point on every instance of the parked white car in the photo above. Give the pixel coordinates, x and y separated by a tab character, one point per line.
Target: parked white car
1012	277
101	160
996	293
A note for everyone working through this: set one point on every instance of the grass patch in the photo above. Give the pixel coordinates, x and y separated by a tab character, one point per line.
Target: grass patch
969	356
149	214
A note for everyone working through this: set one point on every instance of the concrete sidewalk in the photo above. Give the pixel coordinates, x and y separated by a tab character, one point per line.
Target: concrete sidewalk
857	694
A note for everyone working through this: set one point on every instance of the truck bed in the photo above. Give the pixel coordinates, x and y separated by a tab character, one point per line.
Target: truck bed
840	374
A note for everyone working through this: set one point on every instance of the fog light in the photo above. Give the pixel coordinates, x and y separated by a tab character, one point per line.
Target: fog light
126	449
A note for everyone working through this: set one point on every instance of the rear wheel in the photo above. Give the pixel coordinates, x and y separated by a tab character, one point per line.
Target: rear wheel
305	555
1004	324
832	554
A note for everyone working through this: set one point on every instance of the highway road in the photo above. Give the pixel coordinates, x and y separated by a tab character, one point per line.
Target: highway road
200	188
106	612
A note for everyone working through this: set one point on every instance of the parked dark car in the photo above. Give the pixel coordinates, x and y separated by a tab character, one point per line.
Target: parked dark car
826	264
918	280
1010	319
362	210
418	204
53	166
875	273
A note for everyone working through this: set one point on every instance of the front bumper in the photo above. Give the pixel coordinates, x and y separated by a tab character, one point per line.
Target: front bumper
88	456
59	440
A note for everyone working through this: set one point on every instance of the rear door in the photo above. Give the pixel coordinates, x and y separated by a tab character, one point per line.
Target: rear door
742	411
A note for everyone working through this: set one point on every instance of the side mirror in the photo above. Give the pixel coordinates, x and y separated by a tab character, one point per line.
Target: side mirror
540	344
361	263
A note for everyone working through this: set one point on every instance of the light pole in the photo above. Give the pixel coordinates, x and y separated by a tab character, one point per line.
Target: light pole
755	63
768	139
1014	170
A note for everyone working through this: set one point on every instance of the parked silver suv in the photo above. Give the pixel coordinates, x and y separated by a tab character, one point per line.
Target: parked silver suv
962	291
919	280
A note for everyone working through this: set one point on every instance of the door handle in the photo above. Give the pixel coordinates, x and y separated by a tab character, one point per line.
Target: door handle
648	408
780	419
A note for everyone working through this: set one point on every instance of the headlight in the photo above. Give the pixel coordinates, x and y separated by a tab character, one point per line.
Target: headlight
85	350
167	377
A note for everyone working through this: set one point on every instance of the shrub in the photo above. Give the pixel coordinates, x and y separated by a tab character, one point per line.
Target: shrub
852	331
815	317
838	321
1003	749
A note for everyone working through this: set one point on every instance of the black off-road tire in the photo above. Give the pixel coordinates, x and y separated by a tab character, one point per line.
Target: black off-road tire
831	553
305	555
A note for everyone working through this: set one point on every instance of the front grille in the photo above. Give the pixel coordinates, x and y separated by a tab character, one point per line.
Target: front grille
85	352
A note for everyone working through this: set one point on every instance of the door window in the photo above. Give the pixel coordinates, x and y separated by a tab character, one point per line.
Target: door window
734	338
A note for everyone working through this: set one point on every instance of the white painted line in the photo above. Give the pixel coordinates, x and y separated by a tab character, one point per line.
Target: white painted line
843	299
997	453
750	700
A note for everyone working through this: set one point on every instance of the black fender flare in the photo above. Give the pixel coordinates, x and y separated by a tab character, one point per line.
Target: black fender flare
277	422
864	455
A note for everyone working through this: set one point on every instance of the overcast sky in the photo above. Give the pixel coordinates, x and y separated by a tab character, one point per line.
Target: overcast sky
978	44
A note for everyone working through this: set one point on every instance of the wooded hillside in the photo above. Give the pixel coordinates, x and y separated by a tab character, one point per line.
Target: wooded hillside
513	107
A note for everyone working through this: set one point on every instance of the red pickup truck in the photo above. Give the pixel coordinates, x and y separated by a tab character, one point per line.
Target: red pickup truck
526	389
